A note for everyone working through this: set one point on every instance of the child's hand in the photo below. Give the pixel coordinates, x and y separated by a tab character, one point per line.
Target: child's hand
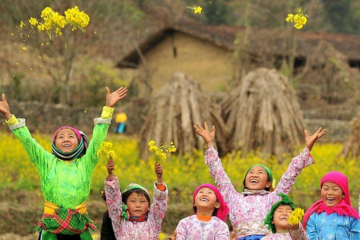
114	97
110	166
4	107
293	226
173	237
158	172
310	140
205	133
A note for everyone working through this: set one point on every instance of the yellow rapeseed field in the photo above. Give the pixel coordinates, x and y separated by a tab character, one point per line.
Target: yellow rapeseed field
182	173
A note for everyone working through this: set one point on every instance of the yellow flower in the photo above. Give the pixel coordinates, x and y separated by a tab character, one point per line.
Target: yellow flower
298	26
296	216
300	18
104	149
290	17
22	24
33	21
273	184
111	155
162	236
24	48
198	10
160	152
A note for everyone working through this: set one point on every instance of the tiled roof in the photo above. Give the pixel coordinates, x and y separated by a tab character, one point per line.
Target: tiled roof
272	40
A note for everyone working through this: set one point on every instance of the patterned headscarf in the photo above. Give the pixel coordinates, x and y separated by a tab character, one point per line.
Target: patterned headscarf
125	194
223	210
343	208
260	165
78	152
286	200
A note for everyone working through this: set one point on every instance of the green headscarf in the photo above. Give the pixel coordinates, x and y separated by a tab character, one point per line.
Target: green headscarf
286	200
126	193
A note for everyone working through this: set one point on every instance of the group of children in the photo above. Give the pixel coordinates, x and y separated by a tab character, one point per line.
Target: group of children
260	211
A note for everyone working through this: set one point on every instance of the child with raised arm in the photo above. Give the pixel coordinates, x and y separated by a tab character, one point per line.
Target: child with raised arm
209	219
332	216
277	222
65	174
249	208
130	211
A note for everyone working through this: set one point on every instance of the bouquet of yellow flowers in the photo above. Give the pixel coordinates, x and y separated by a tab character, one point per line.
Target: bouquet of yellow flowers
160	152
296	216
299	18
106	151
52	20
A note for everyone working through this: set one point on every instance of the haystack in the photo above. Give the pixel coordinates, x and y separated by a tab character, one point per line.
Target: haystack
326	77
352	146
263	113
174	111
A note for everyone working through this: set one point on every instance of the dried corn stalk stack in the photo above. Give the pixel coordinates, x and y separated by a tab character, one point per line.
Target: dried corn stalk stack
174	111
264	114
326	77
352	146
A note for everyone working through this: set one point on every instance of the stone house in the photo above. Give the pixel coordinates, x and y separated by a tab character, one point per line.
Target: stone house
207	52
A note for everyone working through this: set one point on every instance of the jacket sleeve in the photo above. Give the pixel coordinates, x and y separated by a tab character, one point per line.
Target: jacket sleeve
114	204
217	171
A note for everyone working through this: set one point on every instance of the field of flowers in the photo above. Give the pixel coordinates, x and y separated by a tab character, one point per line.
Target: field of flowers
181	173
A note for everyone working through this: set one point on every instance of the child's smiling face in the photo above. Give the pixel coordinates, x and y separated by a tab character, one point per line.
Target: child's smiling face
137	204
66	140
257	179
331	193
281	215
206	199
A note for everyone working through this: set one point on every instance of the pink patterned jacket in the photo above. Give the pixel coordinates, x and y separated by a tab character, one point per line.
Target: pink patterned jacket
248	211
127	230
299	234
191	228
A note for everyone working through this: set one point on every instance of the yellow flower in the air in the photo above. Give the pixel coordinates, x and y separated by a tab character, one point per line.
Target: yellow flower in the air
104	149
22	24
300	18
111	155
290	17
33	21
296	216
196	9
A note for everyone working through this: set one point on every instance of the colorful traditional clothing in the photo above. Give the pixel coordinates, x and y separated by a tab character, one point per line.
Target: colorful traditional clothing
337	222
64	184
125	229
248	210
191	228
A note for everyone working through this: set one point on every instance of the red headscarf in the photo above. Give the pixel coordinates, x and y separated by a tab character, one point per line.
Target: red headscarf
343	207
223	210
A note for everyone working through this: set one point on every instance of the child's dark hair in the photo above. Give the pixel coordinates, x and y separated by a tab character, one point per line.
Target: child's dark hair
138	191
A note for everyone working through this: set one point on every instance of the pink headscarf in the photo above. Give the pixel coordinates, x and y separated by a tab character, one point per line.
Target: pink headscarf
223	210
77	132
343	207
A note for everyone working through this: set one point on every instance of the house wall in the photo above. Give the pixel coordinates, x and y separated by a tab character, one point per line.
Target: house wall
208	64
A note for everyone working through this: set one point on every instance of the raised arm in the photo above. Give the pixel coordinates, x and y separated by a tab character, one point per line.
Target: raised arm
5	108
113	198
298	163
213	161
159	206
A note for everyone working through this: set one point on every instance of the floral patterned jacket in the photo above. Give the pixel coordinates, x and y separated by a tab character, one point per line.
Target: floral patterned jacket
191	228
127	230
299	234
248	210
